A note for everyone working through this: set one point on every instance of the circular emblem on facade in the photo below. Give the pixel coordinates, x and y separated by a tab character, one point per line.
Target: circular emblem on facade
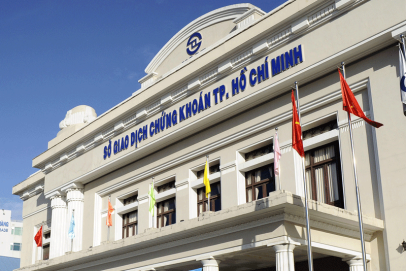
194	43
403	83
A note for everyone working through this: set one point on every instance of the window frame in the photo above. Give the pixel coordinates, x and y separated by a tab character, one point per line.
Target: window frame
262	183
127	226
48	246
204	200
313	166
161	205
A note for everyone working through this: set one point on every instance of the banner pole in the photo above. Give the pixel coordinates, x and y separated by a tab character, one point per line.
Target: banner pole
108	227
403	49
279	174
309	238
153	207
208	173
361	228
71	240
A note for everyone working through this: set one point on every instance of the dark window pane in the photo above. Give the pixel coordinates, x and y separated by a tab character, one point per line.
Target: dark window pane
258	152
215	189
45	252
270	187
259	192
217	204
265	174
166	187
130	200
173	218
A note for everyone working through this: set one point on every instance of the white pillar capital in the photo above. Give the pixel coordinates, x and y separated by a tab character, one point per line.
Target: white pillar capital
284	257
74	194
58	201
356	263
209	264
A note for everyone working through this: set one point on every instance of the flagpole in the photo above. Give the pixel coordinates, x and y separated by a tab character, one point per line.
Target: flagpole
153	207
403	49
108	227
361	228
279	169
208	173
309	238
71	240
42	243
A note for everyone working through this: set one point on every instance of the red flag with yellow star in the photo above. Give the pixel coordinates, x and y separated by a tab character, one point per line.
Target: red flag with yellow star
351	105
297	142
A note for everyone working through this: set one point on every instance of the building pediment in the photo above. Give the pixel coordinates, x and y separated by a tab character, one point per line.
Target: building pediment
197	36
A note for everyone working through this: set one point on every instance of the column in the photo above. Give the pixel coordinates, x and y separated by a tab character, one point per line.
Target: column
210	264
75	199
355	264
284	257
58	226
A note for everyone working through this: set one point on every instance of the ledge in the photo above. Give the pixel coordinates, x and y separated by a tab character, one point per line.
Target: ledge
280	206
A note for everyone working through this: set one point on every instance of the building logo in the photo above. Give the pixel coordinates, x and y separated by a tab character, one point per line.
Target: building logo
194	43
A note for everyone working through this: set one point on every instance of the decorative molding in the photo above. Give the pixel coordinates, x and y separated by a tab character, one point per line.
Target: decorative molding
118	126
36	212
208	76
260	47
356	122
193	84
148	79
248	17
141	113
98	138
32	192
225	66
320	14
300	24
179	91
154	105
241	57
339	4
278	37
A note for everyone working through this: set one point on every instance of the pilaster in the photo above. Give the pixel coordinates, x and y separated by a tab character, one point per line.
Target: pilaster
75	200
284	257
58	227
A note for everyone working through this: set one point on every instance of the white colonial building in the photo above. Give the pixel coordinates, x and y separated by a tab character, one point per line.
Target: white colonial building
220	87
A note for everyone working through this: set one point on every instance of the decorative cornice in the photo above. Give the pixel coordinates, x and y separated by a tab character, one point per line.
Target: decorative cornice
34	191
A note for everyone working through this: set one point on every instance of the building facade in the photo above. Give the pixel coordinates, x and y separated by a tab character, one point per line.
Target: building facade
219	88
11	232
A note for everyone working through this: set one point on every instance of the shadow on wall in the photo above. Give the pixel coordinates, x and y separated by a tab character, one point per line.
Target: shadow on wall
323	264
41	200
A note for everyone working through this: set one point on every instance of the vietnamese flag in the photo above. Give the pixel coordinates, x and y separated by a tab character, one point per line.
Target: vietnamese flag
109	221
38	237
297	142
351	105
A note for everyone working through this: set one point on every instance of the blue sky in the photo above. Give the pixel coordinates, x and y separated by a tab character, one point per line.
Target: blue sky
55	55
